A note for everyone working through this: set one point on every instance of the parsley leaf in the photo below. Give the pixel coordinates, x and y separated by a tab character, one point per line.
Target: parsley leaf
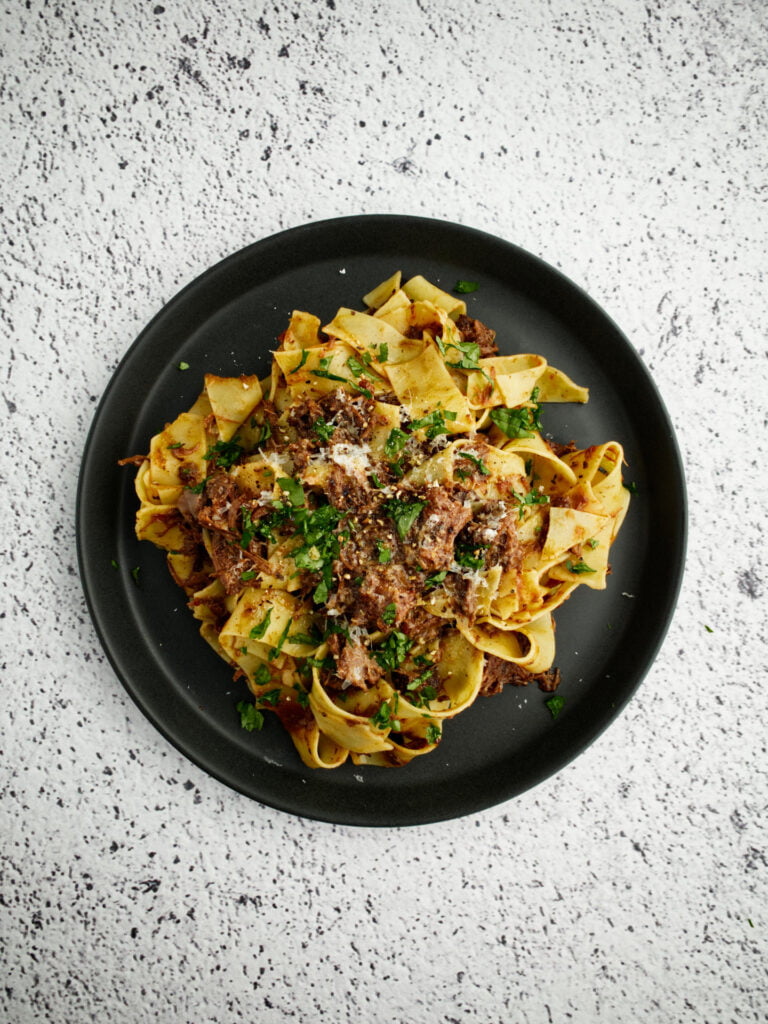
250	717
525	501
578	568
257	632
302	361
403	513
293	489
384	553
395	442
281	640
465	287
323	430
434	733
521	422
476	462
392	651
224	453
555	705
435	579
434	423
470	555
383	718
389	614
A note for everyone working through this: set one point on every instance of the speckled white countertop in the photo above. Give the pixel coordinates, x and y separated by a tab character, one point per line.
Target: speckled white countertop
622	142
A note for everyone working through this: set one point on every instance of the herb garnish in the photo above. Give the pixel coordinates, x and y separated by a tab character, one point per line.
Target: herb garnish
434	733
293	489
395	442
470	555
302	361
281	640
434	423
393	650
555	705
435	579
250	717
578	568
525	501
383	718
476	462
389	614
224	454
465	287
258	631
323	430
403	513
383	552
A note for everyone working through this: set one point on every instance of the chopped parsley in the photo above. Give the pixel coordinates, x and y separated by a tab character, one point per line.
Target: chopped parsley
327	375
183	365
578	568
403	513
593	542
258	631
631	486
248	575
178	444
265	432
301	362
281	640
361	369
392	651
135	574
434	733
476	462
301	696
271	697
262	675
293	489
525	501
521	422
395	442
249	528
251	719
389	614
383	553
224	454
435	579
555	705
434	423
382	353
470	555
323	430
383	719
465	287
469	355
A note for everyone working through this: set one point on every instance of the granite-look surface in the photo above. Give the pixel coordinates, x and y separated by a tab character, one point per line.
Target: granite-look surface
622	142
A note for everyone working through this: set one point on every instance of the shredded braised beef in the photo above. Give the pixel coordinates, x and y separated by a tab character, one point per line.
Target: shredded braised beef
499	673
430	542
476	331
350	416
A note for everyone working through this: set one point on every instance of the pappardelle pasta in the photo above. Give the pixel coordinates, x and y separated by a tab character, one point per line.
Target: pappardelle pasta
378	532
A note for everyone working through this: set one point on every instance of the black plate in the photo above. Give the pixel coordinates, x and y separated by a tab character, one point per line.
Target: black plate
226	322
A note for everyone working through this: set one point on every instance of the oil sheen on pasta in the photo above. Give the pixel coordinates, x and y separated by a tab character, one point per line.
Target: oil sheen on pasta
378	532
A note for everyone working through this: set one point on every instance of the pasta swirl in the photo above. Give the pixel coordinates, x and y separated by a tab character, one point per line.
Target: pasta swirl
378	532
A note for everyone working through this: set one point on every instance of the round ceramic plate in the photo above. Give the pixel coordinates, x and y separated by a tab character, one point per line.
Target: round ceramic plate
226	322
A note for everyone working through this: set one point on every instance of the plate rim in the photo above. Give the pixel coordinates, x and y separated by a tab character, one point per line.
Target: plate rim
367	224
